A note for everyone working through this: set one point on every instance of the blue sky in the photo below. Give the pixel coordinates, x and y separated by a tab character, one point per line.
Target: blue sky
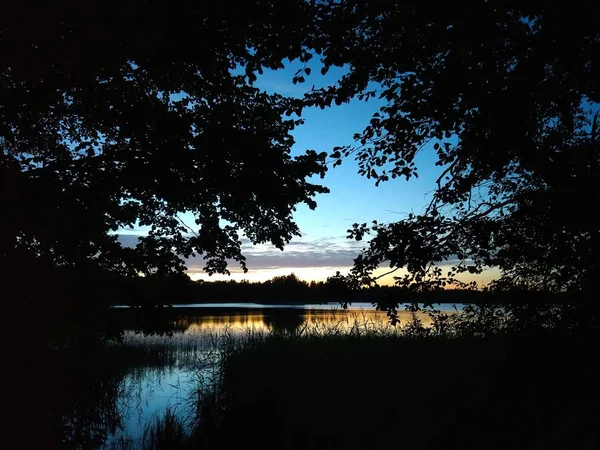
323	248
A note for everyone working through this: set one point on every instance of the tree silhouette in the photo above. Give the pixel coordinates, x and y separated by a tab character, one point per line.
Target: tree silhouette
505	94
121	116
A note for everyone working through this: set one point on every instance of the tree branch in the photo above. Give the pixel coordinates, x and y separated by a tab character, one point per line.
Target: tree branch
186	225
445	172
490	209
387	273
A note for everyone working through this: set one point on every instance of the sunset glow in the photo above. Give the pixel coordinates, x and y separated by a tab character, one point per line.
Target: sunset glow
309	274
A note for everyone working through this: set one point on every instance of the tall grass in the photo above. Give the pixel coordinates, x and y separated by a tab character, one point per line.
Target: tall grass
458	383
241	377
164	432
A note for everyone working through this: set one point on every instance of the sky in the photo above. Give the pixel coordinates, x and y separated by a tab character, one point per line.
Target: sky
323	248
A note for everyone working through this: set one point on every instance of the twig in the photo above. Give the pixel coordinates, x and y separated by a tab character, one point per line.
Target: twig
387	273
186	225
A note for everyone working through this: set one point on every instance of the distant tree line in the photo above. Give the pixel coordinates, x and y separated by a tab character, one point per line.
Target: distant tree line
289	289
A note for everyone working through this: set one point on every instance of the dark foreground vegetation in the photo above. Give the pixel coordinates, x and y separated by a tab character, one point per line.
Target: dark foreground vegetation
462	383
414	393
460	386
75	397
487	378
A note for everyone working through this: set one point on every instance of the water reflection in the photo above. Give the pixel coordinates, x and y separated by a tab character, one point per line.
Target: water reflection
290	320
74	402
149	392
104	398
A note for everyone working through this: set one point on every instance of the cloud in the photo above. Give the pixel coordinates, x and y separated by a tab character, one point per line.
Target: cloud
128	240
330	251
310	259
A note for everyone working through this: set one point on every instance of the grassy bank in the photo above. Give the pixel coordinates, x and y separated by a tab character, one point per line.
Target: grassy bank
370	391
351	382
78	397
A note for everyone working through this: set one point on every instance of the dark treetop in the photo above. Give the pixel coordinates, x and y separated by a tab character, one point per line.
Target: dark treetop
506	94
114	116
130	113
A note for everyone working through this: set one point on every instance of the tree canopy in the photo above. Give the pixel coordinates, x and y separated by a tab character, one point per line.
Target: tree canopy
505	95
120	116
129	114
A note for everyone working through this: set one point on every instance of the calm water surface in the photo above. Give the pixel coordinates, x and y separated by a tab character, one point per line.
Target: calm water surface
169	376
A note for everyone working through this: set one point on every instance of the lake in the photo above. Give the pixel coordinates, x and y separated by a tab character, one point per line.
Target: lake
153	372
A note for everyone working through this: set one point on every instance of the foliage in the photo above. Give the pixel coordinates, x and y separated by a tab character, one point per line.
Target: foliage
113	117
66	399
166	432
345	391
504	95
113	120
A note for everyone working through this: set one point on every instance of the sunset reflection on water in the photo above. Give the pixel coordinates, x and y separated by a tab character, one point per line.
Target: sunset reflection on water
293	319
171	362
